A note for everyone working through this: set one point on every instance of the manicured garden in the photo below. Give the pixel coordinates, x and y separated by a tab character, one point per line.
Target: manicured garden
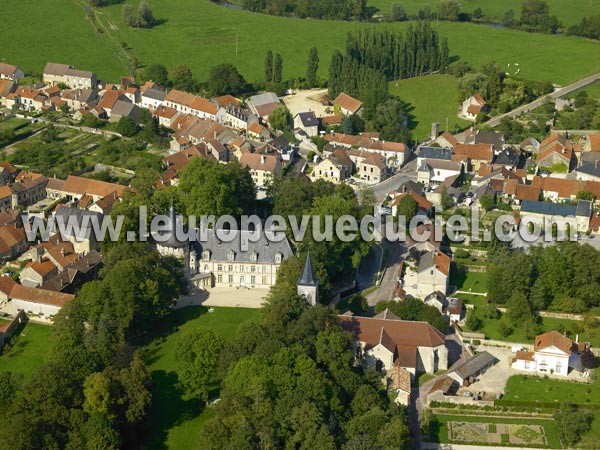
493	431
27	349
535	389
175	418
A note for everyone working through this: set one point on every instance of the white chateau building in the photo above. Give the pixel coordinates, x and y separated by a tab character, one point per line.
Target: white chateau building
241	262
552	353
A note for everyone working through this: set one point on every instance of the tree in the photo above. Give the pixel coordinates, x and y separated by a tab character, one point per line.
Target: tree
50	134
572	423
312	65
128	15
197	356
183	79
448	10
474	323
225	79
157	73
352	124
277	68
127	126
281	119
447	201
269	67
389	121
145	15
477	13
398	13
486	202
509	20
407	208
585	195
504	329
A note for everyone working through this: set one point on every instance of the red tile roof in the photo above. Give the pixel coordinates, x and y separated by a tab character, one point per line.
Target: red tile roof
348	103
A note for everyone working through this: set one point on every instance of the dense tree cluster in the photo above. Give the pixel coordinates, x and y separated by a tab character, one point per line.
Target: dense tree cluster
415	309
563	277
225	79
290	382
583	115
572	423
374	56
331	260
320	9
589	27
94	390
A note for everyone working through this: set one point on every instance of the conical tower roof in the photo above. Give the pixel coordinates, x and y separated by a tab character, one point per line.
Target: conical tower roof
308	278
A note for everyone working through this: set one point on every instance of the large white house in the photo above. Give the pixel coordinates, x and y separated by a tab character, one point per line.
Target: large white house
553	353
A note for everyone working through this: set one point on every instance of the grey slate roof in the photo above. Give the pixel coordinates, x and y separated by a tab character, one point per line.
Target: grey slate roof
81	220
264	249
496	138
548	208
584	208
308	119
155	94
264	99
56	69
307	278
122	108
590	168
475	365
435	153
507	157
426	261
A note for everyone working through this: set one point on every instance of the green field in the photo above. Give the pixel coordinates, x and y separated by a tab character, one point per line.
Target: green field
202	34
440	432
534	389
31	43
568	12
175	419
469	281
432	98
28	349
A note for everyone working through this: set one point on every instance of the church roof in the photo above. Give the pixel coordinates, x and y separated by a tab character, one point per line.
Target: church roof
173	241
307	278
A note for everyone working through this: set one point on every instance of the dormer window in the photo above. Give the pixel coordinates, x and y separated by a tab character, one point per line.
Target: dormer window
277	258
206	255
253	256
230	255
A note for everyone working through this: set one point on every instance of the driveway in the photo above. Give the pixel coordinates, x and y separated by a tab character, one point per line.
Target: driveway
226	296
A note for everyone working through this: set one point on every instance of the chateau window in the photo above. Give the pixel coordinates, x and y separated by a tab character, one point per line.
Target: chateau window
252	269
231	278
230	268
206	255
252	280
278	258
219	267
253	256
220	278
230	255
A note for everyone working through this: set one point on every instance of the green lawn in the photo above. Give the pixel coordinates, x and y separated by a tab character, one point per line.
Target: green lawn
440	426
490	329
534	389
469	281
593	90
432	98
176	419
568	12
202	34
28	350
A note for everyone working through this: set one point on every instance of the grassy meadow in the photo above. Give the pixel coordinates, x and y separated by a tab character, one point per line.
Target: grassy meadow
28	349
431	98
568	12
203	34
176	419
534	389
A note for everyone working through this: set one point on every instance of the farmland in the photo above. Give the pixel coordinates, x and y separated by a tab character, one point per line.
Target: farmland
202	34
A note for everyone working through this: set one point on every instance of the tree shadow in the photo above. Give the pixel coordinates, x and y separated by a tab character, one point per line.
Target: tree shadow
168	409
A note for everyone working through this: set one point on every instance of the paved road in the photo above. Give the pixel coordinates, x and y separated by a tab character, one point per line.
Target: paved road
386	289
495	121
408	172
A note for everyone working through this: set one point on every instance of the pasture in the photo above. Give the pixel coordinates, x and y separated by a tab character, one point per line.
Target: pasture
431	98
